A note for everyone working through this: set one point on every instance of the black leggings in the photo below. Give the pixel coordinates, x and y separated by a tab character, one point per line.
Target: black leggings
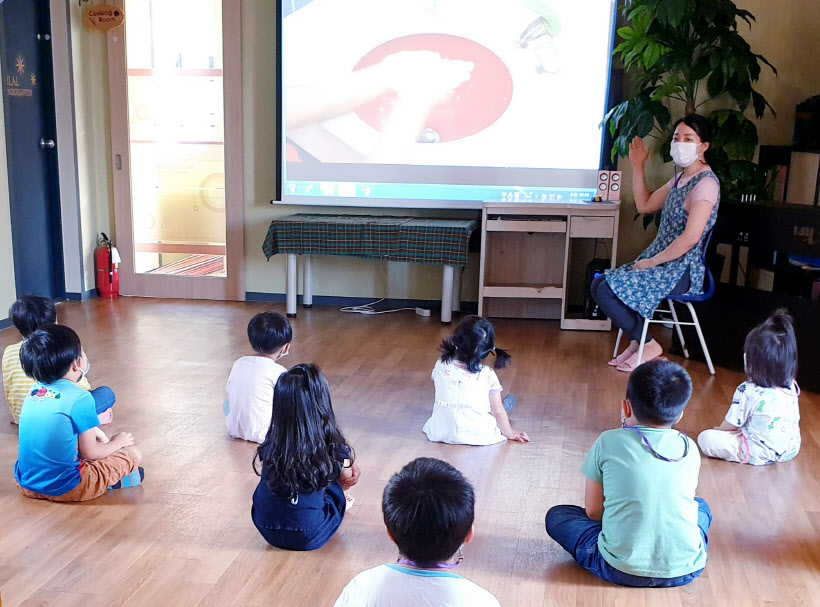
621	314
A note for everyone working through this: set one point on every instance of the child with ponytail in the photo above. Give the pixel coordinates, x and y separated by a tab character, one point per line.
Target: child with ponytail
468	409
763	423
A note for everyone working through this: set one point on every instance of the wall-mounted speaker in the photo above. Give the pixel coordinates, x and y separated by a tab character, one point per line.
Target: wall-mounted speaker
609	185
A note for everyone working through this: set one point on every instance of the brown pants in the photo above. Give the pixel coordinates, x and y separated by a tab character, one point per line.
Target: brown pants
96	477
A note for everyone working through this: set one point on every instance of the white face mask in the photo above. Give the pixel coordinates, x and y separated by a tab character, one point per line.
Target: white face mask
684	153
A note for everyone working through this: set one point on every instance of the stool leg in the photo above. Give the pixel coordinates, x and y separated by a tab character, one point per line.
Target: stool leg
307	282
447	294
457	289
702	340
678	327
643	339
617	343
290	287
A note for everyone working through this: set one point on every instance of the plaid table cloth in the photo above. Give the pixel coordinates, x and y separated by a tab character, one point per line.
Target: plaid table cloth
415	240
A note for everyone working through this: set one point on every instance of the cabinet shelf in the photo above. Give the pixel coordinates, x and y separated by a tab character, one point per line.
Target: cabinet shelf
528	268
524	291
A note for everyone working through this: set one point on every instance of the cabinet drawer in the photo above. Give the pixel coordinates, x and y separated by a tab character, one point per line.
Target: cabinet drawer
506	225
591	227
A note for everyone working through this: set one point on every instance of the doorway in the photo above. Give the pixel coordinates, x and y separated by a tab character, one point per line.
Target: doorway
28	98
176	119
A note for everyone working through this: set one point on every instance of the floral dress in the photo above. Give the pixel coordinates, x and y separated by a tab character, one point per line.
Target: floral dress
644	290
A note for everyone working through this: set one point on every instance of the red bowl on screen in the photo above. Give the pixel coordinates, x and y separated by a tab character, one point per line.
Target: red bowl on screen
474	105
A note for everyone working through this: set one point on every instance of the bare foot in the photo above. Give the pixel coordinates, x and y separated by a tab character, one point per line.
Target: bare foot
651	350
106	417
349	499
624	356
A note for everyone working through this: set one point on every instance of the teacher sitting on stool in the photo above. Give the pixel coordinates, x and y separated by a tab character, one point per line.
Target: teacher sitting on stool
673	263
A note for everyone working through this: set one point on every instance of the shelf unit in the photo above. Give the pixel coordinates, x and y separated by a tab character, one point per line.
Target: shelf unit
534	256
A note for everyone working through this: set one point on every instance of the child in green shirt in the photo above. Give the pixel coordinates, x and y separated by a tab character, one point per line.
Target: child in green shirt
641	525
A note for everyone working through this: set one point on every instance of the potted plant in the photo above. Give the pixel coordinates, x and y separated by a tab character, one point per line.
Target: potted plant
680	55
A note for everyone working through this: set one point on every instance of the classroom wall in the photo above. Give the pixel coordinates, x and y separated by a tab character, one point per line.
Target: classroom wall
792	53
92	126
798	79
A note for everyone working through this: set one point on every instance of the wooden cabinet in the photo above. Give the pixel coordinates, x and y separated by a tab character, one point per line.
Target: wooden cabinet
534	258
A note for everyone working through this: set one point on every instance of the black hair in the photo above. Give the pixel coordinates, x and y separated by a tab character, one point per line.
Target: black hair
32	311
268	332
428	508
702	127
771	352
659	391
48	352
304	449
471	342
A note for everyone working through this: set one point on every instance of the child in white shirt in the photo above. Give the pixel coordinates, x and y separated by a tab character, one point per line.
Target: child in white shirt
468	409
428	510
250	386
763	423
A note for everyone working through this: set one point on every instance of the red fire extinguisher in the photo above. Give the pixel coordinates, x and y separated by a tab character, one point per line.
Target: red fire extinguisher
106	264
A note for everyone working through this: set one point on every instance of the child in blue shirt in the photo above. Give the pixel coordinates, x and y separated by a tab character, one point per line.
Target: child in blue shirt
642	525
63	455
29	313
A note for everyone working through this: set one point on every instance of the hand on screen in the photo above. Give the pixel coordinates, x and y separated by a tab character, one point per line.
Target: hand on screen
425	75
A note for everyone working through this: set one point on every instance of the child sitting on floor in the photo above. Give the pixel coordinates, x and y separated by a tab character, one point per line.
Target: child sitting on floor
428	510
63	456
29	313
642	525
250	385
468	409
763	423
306	465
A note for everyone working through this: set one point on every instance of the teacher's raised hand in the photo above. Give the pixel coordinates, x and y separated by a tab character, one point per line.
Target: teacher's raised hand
638	154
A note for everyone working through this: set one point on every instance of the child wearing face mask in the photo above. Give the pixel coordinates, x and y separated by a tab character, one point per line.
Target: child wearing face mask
253	378
29	313
63	456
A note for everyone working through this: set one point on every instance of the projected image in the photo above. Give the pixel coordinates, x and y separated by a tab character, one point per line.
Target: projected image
450	99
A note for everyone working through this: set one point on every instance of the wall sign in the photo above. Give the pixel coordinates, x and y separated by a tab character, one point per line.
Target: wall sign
18	82
104	17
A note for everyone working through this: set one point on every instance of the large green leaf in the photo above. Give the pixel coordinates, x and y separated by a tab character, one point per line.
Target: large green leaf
671	49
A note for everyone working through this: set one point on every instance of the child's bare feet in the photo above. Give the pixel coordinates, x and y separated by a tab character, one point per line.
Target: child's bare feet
631	349
349	499
106	417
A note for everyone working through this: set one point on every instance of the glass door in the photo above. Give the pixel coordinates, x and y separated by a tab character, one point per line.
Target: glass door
171	144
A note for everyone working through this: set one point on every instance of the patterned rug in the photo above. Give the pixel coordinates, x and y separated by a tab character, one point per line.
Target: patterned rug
195	265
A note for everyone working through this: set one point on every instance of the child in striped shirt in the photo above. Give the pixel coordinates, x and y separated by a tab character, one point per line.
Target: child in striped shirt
27	314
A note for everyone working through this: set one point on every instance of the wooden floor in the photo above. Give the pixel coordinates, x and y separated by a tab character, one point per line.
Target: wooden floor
185	537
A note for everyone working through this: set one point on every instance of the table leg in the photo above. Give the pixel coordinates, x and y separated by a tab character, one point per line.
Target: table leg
447	294
290	287
457	289
307	282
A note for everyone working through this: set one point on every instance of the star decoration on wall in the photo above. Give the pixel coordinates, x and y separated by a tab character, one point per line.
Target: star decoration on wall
33	80
21	65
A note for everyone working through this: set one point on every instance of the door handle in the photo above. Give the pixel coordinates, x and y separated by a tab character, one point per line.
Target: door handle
46	143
